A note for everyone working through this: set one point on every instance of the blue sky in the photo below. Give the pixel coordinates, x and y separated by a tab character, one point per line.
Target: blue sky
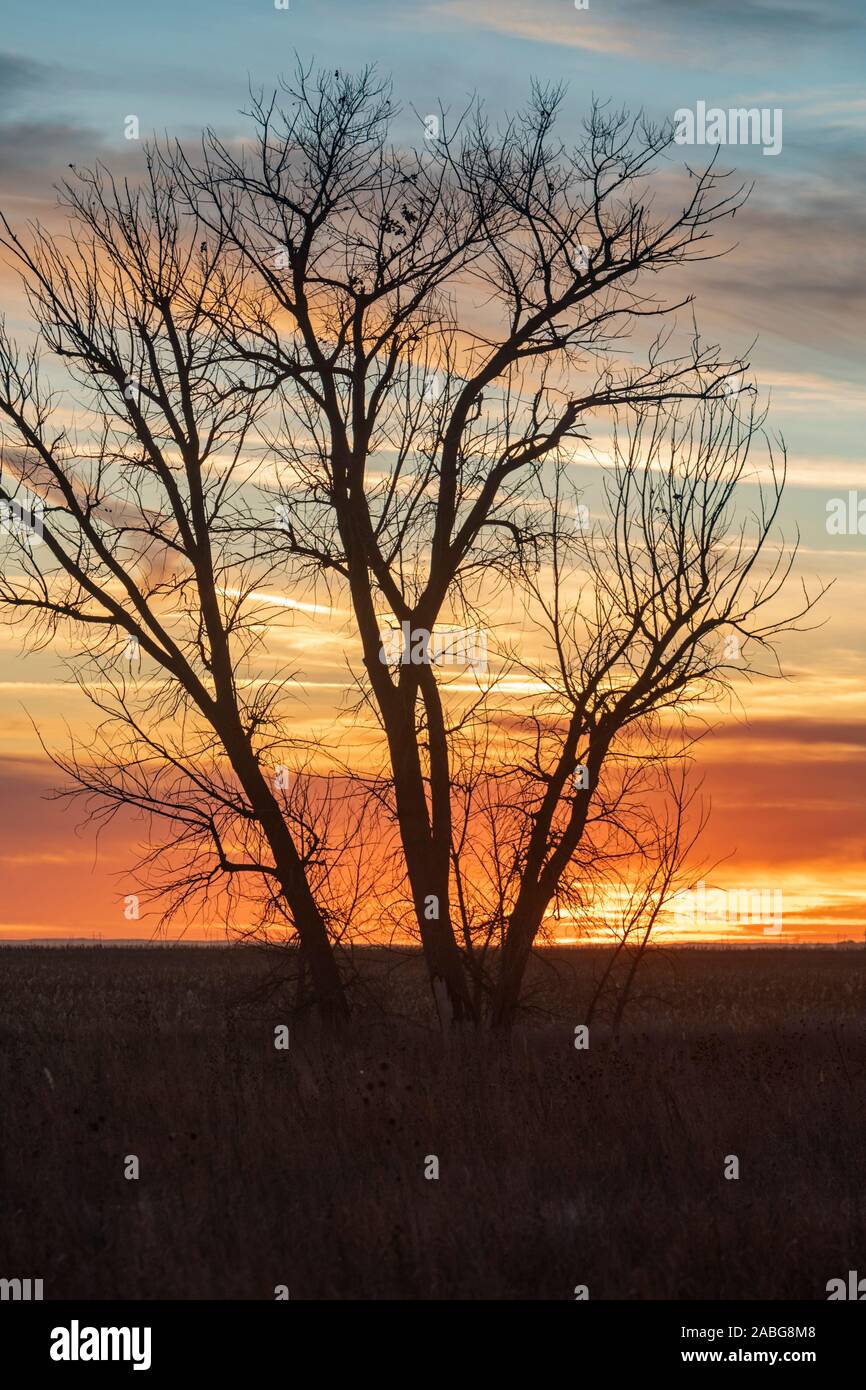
69	75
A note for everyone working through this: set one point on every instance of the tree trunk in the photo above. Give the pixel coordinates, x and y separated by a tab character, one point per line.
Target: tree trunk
515	956
308	919
328	989
427	848
441	953
447	979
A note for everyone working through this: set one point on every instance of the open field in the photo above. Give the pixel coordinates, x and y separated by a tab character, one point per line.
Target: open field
305	1167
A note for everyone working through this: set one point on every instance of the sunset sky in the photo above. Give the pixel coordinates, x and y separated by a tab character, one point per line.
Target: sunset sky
785	775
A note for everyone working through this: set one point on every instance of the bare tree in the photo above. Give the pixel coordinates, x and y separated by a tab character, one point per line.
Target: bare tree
641	825
134	432
443	326
417	342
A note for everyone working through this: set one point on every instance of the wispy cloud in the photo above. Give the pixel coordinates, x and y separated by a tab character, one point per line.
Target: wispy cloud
673	31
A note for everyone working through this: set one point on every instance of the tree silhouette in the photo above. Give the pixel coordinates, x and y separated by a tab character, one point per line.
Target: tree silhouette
416	341
143	556
442	326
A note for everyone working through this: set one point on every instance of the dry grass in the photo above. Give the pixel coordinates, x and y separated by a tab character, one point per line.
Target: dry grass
557	1167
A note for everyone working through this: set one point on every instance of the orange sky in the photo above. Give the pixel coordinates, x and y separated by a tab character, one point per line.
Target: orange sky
785	772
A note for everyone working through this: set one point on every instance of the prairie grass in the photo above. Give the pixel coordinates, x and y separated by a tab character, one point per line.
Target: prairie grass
305	1167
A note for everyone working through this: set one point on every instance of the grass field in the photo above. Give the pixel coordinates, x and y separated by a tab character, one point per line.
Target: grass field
306	1168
